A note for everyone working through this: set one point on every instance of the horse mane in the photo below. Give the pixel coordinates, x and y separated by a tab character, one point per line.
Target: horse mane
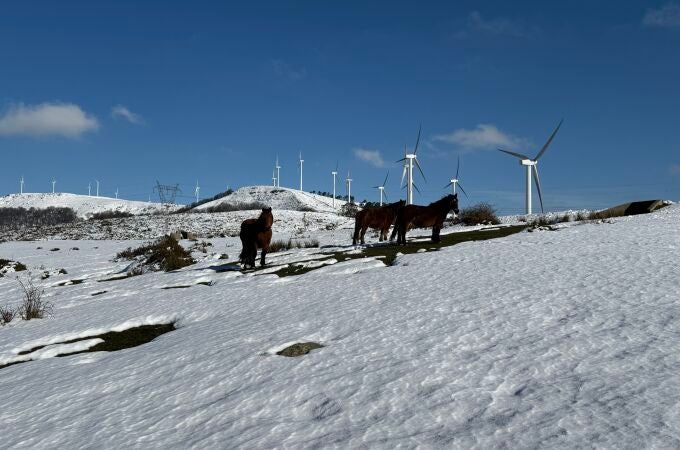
442	201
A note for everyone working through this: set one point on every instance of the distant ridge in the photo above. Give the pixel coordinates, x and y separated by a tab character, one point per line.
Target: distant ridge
84	205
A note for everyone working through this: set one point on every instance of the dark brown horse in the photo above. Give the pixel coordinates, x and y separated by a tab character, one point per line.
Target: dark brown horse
256	233
432	215
379	218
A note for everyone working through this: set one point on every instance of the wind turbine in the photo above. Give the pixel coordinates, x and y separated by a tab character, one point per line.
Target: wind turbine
274	177
531	168
381	188
300	161
21	183
334	173
348	181
97	181
197	189
116	193
89	189
455	181
278	173
53	183
409	159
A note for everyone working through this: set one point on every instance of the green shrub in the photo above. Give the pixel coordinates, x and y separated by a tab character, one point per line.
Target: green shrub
166	253
349	210
479	214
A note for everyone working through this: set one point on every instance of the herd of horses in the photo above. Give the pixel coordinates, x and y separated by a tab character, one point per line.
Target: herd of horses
257	233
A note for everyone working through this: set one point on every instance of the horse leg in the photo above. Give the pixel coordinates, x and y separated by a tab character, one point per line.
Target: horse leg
435	234
262	255
363	232
394	232
355	237
252	254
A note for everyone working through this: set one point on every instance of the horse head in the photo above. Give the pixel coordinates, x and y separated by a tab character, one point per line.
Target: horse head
267	216
453	202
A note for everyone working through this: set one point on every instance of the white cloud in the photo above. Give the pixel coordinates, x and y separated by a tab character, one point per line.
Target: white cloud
283	69
666	17
475	24
120	111
484	137
370	156
47	119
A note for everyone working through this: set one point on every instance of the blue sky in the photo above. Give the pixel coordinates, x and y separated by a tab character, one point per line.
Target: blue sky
134	92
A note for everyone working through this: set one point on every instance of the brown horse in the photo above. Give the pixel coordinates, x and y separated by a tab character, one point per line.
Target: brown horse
256	233
379	218
432	215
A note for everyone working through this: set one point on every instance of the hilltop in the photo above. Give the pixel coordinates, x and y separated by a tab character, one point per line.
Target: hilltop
277	198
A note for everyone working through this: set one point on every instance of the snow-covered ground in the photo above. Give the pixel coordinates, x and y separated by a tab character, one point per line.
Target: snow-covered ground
84	205
278	198
567	338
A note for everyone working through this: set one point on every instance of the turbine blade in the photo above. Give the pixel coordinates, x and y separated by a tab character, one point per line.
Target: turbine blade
518	155
403	175
414	185
415	150
336	166
458	168
450	183
419	168
545	147
385	194
388	174
400	160
538	185
463	190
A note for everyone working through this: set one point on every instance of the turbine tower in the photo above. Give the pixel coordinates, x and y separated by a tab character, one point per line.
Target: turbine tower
531	169
54	182
89	189
455	181
278	172
197	189
348	181
410	159
334	173
97	181
116	193
21	184
300	161
274	177
381	188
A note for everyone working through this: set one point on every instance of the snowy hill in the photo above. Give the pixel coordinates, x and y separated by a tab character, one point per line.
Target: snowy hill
549	339
84	205
278	198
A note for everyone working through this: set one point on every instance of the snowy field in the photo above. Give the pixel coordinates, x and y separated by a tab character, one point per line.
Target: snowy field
551	339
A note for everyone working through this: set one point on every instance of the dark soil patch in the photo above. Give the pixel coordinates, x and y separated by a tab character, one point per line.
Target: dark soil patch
388	252
184	286
299	349
118	277
70	282
113	340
